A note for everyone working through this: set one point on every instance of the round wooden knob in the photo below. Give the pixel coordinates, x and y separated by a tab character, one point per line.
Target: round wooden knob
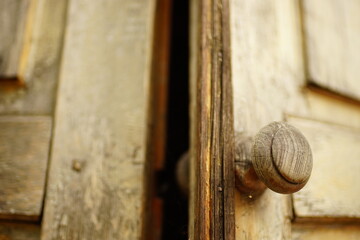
281	157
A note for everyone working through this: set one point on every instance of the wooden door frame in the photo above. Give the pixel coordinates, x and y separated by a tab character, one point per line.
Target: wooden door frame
212	137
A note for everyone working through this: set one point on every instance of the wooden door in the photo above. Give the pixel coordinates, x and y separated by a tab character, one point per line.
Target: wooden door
31	42
78	84
99	182
294	61
82	102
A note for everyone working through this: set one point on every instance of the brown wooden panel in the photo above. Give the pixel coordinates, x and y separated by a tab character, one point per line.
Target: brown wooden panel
331	232
19	231
193	151
267	73
323	106
38	66
158	113
24	148
212	143
332	190
13	14
97	178
332	44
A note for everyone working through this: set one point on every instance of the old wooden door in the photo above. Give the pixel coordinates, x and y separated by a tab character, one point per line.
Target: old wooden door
82	101
77	89
254	62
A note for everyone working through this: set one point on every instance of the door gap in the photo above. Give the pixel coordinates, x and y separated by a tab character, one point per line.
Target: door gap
175	211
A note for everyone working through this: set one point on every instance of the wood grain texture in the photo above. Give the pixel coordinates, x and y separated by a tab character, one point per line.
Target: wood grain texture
38	65
13	14
157	118
267	73
19	231
331	232
322	107
101	123
282	157
193	112
24	148
213	137
332	190
332	36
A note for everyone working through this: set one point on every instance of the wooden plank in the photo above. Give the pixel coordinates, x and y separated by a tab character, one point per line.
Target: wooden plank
267	73
158	114
227	141
322	106
38	66
332	189
332	36
193	151
19	231
13	14
24	147
96	187
213	132
331	232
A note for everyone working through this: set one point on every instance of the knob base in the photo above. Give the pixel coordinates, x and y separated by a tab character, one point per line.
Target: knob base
246	180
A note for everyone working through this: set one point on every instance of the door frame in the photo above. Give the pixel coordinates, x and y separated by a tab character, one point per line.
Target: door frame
212	136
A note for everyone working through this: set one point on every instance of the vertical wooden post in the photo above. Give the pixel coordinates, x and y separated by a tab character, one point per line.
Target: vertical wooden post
97	171
212	163
157	118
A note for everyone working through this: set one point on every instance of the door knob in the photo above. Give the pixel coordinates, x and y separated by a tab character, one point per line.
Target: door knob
278	157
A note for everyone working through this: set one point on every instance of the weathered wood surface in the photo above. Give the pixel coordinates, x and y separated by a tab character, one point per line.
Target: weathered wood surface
267	75
332	37
331	232
40	59
212	137
13	14
97	173
193	151
24	149
158	114
332	190
19	231
332	108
